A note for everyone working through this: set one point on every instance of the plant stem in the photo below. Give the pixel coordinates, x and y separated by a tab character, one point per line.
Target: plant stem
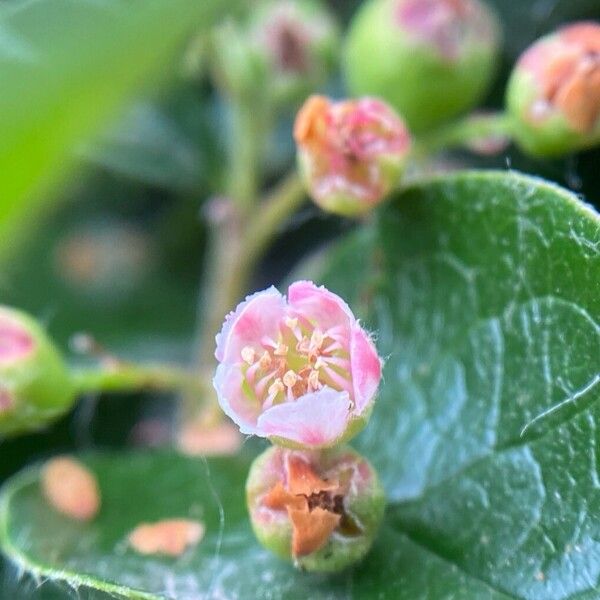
465	132
128	377
246	146
236	249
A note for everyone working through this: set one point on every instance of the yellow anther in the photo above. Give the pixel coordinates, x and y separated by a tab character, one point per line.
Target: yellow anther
248	355
281	350
276	387
290	379
265	361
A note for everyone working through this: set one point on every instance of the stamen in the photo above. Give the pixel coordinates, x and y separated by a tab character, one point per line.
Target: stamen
281	350
313	381
276	388
265	361
290	379
248	355
303	346
316	341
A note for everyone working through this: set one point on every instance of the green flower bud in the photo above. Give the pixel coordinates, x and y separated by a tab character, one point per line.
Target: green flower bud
298	42
286	50
554	92
321	510
35	386
351	153
430	59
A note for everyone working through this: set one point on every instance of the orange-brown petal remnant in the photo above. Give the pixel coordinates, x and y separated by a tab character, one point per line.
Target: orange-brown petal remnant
310	503
170	537
71	488
311	120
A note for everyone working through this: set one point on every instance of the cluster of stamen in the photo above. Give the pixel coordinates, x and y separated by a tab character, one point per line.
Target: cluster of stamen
303	359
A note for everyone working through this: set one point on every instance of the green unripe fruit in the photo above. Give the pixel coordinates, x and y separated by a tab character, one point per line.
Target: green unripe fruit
430	59
35	387
553	95
321	510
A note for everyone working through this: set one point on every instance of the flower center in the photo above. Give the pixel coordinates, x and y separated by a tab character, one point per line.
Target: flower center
15	342
303	359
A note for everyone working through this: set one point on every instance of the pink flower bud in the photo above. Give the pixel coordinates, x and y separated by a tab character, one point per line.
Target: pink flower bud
321	510
300	371
554	92
351	153
35	386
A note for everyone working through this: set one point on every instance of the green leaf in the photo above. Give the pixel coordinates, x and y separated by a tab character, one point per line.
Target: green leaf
483	291
66	66
95	561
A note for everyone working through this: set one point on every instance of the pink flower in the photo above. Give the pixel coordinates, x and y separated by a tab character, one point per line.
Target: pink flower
300	371
351	153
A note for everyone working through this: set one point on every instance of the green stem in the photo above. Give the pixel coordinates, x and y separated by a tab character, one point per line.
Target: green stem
246	147
261	229
236	249
464	132
126	377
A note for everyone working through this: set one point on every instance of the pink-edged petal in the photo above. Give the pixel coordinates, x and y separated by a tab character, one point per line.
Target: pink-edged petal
258	316
319	305
365	367
236	405
314	420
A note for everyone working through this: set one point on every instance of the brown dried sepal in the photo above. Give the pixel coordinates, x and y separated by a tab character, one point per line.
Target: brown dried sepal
315	506
71	488
171	537
310	123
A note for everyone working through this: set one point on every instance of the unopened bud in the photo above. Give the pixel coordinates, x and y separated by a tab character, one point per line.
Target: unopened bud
430	59
298	42
554	92
320	510
282	53
35	387
351	153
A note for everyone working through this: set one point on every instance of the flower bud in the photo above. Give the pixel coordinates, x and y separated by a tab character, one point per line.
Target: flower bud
554	92
321	510
298	42
35	386
430	59
300	370
286	50
351	154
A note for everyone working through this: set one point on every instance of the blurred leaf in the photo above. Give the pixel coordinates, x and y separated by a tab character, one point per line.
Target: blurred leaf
170	144
65	67
228	563
483	289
